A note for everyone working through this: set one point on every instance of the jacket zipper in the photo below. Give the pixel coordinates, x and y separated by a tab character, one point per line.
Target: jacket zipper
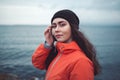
53	65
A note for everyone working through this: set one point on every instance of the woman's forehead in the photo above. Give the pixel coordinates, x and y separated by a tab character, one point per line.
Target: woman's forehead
59	20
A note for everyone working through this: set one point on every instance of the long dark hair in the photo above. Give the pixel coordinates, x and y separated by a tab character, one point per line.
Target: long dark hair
83	43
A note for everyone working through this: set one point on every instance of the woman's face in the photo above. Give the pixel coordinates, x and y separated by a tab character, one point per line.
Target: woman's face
61	30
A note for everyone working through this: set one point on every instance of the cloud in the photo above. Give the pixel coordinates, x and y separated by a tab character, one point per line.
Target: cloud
77	4
41	11
22	15
98	17
93	4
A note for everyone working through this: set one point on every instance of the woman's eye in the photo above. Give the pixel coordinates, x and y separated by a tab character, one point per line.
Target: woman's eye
53	26
62	24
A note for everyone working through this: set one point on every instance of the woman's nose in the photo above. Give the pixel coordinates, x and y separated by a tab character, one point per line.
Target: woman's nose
57	28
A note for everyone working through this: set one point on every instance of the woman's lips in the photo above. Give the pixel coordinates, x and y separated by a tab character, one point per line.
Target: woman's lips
58	36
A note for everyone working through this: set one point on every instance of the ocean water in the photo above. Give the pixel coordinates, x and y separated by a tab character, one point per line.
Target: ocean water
18	42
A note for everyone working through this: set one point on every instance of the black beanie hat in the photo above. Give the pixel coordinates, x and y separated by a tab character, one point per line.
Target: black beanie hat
68	15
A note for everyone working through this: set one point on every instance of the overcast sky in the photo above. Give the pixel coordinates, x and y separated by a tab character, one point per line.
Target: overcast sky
41	11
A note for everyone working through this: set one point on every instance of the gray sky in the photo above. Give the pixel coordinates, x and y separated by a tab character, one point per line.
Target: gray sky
41	11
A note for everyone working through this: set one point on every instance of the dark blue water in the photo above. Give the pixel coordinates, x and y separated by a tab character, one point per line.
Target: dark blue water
18	42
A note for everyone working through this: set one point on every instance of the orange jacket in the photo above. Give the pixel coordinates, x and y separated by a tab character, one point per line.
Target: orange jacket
70	63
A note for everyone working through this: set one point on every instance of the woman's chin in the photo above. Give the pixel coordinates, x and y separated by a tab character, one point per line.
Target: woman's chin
59	40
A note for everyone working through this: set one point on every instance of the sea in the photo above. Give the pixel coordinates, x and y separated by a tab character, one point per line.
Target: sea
18	42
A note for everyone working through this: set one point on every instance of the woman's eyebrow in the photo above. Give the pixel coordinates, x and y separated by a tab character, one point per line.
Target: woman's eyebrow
53	23
58	22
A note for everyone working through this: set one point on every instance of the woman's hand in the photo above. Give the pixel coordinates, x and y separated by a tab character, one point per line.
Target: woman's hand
48	35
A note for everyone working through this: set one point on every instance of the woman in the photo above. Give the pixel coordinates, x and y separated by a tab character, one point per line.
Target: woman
66	53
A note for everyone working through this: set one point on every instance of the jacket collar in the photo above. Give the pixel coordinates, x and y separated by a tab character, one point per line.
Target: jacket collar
67	47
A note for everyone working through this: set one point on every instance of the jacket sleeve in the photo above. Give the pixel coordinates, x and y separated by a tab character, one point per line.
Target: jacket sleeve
39	57
82	70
